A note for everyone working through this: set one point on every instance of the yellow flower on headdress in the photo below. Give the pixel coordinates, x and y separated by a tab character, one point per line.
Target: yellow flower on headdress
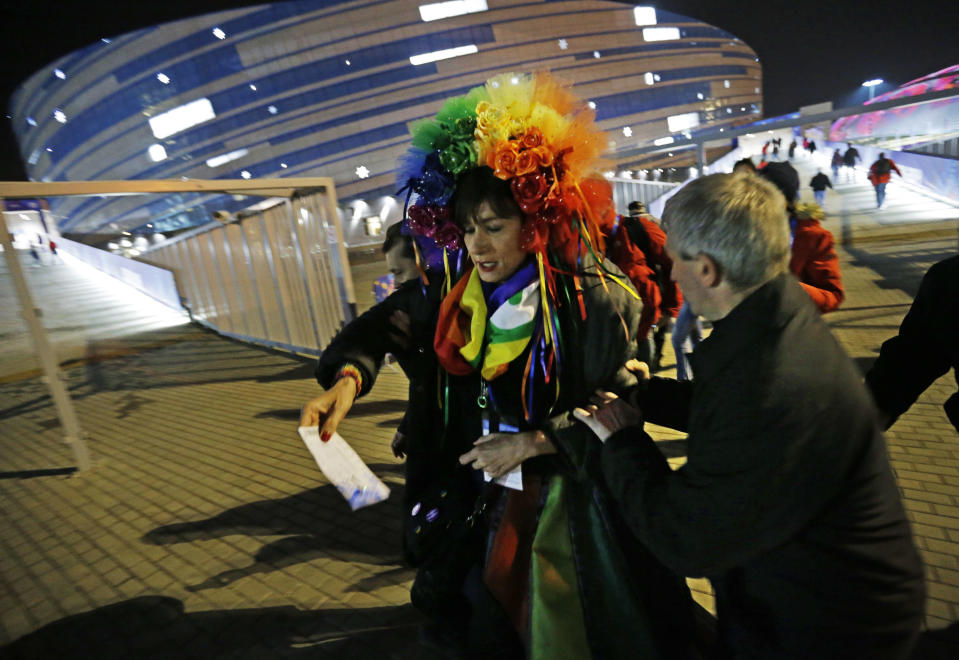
512	92
549	122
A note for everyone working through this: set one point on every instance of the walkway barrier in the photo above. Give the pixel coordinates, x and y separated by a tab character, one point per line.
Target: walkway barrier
158	283
276	277
632	190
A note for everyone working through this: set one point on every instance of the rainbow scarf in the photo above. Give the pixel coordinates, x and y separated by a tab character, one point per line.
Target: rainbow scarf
473	333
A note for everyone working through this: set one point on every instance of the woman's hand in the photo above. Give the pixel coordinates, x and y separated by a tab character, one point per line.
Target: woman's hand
608	414
499	453
329	409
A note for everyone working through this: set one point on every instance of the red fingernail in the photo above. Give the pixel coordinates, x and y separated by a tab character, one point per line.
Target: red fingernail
325	436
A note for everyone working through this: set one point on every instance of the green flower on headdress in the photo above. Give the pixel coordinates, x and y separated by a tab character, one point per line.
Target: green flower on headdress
458	157
462	129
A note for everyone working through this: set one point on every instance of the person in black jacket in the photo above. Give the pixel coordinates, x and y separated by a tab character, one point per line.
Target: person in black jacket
925	348
819	183
787	502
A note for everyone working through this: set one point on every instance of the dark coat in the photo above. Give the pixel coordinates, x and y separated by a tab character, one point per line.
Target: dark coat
621	584
820	182
365	341
925	348
787	502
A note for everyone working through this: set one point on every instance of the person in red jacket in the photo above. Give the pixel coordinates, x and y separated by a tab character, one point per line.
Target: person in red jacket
813	261
879	174
644	231
621	250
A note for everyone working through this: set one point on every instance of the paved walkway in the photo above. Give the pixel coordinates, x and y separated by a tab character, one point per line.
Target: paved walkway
205	529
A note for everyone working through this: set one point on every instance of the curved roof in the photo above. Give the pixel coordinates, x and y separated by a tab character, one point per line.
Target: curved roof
328	88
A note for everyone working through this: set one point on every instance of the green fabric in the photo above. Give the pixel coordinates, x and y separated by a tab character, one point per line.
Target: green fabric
605	560
557	628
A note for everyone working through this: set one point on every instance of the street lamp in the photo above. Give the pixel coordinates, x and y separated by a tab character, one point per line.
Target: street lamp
871	84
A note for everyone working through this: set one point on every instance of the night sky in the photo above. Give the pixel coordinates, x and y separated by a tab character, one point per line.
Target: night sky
811	50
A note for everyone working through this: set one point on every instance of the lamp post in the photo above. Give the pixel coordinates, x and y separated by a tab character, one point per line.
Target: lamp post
871	85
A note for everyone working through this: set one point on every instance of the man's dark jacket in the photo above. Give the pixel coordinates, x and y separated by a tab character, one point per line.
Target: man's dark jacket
925	348
787	501
820	182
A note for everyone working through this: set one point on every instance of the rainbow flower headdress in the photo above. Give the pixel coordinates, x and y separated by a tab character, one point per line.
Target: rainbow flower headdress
531	131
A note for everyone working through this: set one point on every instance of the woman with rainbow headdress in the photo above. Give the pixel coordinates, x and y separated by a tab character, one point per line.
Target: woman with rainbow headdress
525	320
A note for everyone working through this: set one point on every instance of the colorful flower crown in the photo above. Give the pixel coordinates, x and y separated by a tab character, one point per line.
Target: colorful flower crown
531	131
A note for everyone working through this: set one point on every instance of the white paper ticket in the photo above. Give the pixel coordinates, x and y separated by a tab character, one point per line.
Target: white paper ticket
344	469
512	479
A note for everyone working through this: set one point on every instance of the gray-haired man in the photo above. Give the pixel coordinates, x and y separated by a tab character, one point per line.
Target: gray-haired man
787	502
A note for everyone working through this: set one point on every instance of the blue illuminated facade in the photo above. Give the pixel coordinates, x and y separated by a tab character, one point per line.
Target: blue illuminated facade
326	88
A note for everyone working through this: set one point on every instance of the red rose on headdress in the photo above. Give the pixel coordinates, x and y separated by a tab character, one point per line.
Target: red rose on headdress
532	138
529	191
421	220
449	236
503	159
441	214
553	214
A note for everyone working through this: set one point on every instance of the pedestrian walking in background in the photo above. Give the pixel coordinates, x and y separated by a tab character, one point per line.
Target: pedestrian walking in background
645	233
819	183
849	159
792	149
879	174
813	257
687	333
836	162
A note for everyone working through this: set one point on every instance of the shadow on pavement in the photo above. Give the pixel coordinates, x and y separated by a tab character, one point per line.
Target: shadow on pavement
302	371
315	524
158	627
901	271
30	474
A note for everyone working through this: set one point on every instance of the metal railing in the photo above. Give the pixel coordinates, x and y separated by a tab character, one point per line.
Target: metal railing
279	277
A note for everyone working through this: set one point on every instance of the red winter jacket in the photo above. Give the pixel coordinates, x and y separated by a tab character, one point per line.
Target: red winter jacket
877	178
631	260
657	257
815	263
